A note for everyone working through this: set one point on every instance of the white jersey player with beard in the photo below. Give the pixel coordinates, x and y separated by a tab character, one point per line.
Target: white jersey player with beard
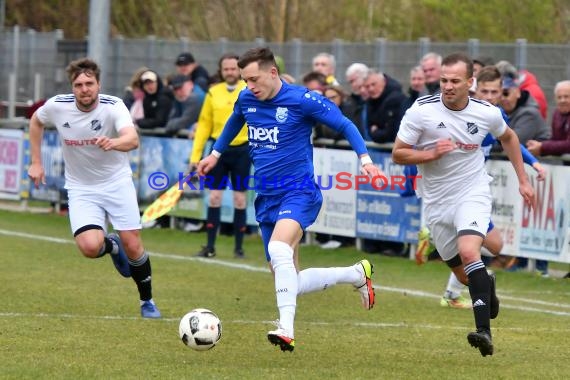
96	133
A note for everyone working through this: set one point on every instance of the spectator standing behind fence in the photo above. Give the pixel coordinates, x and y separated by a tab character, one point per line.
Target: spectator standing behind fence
480	62
355	103
431	65
157	101
234	163
315	81
384	107
417	87
134	94
325	63
185	108
98	132
527	82
187	65
522	110
559	142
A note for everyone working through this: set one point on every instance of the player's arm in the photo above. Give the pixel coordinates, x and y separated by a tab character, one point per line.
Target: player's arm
531	160
511	145
405	154
128	140
36	169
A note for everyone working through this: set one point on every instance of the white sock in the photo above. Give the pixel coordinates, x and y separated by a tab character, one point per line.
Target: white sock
286	285
313	279
454	287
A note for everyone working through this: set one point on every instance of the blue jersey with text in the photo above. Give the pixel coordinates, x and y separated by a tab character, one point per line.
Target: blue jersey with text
279	134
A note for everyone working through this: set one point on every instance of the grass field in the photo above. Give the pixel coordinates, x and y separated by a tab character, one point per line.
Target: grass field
66	317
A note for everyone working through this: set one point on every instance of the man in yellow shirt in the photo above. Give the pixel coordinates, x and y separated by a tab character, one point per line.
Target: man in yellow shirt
234	165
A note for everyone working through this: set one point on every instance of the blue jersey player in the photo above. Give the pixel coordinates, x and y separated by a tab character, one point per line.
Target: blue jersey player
280	118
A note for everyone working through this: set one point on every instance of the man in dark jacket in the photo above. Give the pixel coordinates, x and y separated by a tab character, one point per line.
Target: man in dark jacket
157	101
522	110
185	108
187	65
384	104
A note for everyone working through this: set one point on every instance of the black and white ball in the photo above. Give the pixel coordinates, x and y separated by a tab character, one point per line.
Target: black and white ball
200	329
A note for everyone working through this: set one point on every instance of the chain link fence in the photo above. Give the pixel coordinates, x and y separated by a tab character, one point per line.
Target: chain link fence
32	65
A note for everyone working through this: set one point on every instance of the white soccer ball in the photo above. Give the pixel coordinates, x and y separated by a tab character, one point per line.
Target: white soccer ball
200	329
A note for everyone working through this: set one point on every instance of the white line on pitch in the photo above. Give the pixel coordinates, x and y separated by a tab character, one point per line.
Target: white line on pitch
252	268
377	325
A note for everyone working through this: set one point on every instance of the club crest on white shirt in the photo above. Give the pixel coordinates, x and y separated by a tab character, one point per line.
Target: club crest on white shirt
96	125
281	114
472	128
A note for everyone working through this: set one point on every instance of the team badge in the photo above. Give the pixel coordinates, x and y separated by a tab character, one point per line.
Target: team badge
472	128
281	114
95	125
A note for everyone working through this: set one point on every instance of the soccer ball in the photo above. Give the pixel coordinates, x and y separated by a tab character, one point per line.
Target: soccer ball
200	329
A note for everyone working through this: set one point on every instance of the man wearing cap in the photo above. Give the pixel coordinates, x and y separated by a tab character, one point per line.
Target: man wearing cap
522	110
186	106
187	65
157	101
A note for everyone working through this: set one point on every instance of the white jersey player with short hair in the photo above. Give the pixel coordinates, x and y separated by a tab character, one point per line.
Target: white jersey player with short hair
458	175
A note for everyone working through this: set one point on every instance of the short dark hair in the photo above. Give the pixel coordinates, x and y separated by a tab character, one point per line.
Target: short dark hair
83	66
315	76
459	57
488	74
262	55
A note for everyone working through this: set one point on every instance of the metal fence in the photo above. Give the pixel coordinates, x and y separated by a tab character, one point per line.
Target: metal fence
34	62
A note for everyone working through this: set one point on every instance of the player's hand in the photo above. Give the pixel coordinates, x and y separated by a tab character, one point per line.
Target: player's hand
540	171
37	175
105	143
527	193
207	164
374	173
443	147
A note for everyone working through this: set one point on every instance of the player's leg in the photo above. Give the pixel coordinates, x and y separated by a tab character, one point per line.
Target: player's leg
213	220
123	211
452	296
472	220
216	182
88	221
240	167
285	237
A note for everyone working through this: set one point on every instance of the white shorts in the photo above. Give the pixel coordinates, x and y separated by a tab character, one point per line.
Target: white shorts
470	215
116	202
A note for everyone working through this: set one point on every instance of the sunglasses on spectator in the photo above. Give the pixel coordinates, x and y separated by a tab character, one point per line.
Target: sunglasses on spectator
506	93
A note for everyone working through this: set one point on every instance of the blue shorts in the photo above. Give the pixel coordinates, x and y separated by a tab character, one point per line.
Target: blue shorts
491	226
302	205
